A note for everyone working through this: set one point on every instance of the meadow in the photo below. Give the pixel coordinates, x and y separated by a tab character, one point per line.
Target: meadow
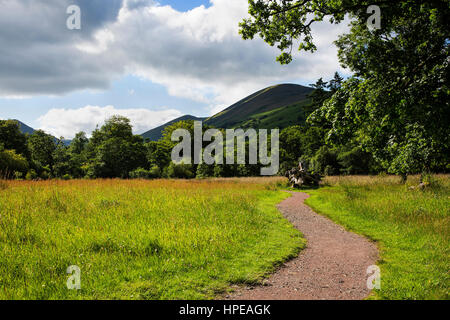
193	239
161	239
411	227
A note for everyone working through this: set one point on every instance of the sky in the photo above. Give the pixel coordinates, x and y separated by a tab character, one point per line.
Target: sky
149	60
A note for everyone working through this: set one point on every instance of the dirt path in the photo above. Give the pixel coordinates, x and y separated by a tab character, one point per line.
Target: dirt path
333	265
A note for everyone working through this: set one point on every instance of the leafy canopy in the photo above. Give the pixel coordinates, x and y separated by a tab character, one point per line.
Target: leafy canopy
396	104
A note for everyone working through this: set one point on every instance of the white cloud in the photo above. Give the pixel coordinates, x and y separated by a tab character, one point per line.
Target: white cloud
39	54
67	122
197	55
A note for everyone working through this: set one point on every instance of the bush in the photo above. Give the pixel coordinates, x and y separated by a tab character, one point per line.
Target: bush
18	175
155	172
67	177
31	175
219	171
11	162
355	161
45	175
325	161
141	173
204	171
180	171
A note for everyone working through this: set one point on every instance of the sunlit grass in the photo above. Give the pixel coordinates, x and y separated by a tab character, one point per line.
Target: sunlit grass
411	226
140	239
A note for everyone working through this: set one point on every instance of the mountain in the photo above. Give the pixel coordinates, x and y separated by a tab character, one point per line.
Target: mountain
156	133
24	128
278	106
28	130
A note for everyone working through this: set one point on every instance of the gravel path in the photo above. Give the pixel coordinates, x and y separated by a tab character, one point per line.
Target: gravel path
333	265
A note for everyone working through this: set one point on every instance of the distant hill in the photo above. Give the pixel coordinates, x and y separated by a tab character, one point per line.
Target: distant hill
278	106
29	130
156	133
24	128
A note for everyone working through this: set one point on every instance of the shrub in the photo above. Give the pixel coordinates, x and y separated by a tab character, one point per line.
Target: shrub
18	175
204	171
155	172
218	171
180	171
325	161
45	175
11	162
31	175
140	173
67	177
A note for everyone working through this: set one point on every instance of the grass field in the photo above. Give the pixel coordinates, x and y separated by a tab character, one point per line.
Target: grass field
140	239
412	228
168	239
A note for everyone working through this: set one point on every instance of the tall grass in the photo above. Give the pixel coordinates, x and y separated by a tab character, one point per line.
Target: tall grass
411	226
139	239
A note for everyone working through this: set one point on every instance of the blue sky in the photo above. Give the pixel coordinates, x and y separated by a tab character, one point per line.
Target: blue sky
149	61
184	5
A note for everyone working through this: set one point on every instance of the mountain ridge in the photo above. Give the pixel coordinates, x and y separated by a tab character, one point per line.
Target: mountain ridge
156	133
277	106
264	100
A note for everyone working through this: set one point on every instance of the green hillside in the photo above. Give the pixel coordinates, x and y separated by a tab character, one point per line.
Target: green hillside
263	107
278	106
278	118
156	133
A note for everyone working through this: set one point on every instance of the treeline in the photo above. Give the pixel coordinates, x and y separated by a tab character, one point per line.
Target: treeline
114	152
396	105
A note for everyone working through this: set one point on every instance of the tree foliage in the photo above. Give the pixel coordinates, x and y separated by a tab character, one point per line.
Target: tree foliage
114	151
396	104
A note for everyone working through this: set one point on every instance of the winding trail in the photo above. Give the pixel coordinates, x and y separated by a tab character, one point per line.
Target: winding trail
333	265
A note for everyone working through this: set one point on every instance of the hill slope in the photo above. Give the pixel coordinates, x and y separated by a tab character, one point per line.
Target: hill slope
156	133
29	130
24	128
278	106
262	104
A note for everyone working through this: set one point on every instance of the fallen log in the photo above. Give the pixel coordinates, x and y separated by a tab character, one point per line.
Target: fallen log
299	177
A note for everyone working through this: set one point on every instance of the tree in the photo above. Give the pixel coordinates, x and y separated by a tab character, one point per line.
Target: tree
114	151
42	147
180	171
282	23
335	83
354	160
398	97
12	138
61	158
78	155
291	147
159	152
79	143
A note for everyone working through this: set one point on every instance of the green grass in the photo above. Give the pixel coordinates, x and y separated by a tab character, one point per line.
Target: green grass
279	118
410	226
139	239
